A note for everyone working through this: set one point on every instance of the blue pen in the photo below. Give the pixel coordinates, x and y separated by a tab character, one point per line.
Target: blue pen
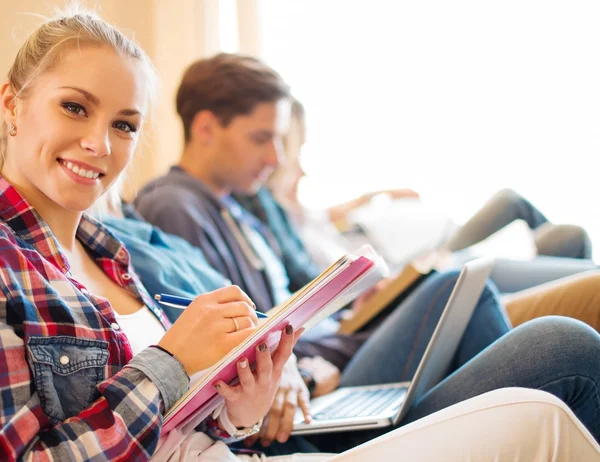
181	302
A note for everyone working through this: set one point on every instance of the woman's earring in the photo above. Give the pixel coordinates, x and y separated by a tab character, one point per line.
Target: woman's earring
12	130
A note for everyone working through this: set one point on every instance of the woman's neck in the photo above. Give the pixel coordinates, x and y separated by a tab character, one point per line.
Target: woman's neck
63	223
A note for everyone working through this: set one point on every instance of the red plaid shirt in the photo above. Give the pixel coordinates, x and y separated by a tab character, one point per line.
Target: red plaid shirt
69	388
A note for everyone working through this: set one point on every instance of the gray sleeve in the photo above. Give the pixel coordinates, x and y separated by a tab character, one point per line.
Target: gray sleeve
165	371
175	212
180	213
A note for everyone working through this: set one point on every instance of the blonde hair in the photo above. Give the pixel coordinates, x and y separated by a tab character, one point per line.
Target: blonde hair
73	25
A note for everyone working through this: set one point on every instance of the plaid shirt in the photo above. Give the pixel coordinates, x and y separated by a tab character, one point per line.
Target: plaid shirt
69	388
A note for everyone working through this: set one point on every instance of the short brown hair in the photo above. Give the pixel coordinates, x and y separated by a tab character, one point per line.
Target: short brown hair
228	85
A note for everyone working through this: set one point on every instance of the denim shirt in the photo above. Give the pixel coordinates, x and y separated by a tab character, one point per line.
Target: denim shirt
165	263
70	387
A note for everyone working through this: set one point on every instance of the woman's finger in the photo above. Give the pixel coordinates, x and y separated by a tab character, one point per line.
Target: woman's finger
228	392
274	418
236	324
264	365
230	294
284	350
233	339
236	310
287	418
298	334
245	375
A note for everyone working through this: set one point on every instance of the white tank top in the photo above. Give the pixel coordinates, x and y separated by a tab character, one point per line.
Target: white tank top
142	328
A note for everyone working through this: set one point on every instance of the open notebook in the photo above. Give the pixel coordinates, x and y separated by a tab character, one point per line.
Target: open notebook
342	282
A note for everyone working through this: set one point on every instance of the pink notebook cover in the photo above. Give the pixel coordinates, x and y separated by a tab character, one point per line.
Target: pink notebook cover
297	317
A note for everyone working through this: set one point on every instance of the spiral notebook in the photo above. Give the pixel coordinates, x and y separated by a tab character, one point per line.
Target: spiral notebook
341	283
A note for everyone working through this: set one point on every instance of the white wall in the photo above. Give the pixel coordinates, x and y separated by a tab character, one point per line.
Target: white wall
455	99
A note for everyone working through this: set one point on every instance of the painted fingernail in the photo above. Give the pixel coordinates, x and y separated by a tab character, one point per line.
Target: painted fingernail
243	363
265	443
217	386
289	330
282	437
262	347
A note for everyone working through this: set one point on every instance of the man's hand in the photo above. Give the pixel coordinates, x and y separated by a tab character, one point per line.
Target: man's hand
278	423
326	375
360	302
402	193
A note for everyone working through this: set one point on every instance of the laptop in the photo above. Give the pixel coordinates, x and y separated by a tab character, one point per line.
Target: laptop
375	406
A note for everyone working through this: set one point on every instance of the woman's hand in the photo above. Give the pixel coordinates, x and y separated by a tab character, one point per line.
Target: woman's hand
250	400
292	394
210	327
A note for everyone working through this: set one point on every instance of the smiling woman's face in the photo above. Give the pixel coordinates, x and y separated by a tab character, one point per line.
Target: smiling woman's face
77	126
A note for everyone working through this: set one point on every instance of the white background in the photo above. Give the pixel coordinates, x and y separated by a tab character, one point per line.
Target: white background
454	99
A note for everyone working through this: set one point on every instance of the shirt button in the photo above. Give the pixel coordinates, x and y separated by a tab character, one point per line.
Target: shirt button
121	254
85	291
64	360
115	326
126	276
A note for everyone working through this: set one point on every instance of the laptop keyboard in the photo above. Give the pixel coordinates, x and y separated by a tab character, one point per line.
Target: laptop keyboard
360	403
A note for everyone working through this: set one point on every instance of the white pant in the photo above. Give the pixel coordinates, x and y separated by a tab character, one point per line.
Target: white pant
511	424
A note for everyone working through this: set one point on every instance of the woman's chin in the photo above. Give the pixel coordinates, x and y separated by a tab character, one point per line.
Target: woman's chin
77	204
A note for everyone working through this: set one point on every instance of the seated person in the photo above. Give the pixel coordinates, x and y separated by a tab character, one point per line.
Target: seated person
506	206
232	136
78	381
72	388
323	243
166	262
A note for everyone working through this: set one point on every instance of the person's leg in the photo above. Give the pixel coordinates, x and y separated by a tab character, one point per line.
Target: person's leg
563	241
502	209
577	297
513	275
503	425
394	350
553	354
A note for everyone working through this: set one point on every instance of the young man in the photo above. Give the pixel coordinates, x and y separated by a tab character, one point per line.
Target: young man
234	111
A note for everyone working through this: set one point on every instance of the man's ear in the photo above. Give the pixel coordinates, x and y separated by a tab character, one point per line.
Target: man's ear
204	127
8	101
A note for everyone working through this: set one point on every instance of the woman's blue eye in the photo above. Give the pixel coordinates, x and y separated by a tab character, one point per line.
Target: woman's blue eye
75	108
125	127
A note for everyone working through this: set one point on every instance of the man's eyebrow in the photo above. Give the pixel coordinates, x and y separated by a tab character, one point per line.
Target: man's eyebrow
94	100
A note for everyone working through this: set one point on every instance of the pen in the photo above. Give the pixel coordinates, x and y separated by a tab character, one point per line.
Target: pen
181	302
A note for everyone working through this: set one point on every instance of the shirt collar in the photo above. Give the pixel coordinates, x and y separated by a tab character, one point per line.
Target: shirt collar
29	226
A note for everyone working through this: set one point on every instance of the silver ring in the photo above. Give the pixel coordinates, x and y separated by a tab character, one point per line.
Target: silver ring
237	327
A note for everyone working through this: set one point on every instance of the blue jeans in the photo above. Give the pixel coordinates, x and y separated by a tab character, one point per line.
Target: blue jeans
394	350
555	354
